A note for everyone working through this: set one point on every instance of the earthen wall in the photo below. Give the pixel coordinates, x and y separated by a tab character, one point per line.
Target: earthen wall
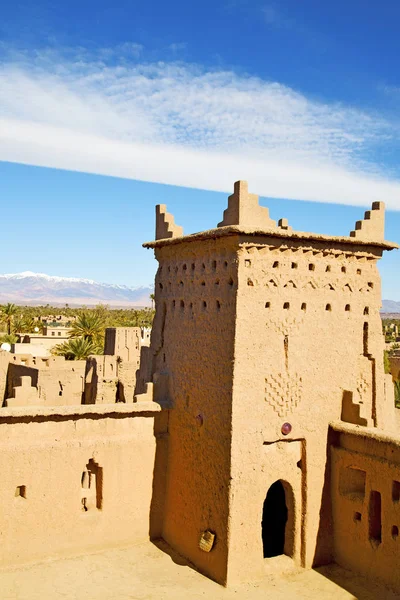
192	346
365	491
74	480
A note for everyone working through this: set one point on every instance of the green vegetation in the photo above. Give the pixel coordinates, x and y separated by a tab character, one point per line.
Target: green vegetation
390	334
77	349
386	362
87	325
7	314
90	326
9	339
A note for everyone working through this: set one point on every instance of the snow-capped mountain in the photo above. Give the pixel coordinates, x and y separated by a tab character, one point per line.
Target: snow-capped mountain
38	288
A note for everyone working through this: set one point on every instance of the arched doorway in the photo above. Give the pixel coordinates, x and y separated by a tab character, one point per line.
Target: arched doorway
274	519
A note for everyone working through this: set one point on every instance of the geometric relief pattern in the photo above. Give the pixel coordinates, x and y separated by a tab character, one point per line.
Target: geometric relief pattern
283	392
288	325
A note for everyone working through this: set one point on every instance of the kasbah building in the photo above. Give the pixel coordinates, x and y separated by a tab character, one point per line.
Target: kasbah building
262	429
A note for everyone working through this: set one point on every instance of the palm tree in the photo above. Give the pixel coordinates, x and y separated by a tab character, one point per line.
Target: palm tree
7	315
24	324
152	298
8	338
89	326
76	349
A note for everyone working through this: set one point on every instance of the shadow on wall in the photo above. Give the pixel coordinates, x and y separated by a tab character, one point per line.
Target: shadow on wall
13	378
175	557
91	382
324	546
355	584
144	372
159	476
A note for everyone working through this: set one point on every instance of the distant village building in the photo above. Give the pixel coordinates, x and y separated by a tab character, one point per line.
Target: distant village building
40	344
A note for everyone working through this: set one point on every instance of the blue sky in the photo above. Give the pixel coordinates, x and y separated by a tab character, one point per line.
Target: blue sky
109	108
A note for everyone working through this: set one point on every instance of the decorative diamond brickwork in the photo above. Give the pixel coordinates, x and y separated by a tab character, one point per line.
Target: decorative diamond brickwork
283	392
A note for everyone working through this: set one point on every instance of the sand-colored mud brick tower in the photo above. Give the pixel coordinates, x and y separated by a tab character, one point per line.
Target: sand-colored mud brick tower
264	339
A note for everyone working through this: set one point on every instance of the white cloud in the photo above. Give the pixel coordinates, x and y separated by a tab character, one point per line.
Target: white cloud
183	125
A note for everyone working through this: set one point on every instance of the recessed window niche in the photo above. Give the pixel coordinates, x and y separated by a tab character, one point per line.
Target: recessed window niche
92	487
352	482
375	517
396	491
20	491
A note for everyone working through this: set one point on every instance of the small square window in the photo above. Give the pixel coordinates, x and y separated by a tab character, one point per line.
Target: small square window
20	491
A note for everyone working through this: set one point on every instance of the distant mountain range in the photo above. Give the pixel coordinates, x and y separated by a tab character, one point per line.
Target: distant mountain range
390	306
37	288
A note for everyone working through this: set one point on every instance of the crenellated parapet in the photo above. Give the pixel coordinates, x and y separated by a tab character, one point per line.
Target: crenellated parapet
244	210
372	227
165	224
244	215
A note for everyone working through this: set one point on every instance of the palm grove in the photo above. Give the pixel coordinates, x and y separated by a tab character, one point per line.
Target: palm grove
87	326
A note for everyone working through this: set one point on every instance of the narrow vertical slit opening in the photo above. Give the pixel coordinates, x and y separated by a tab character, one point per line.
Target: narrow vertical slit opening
375	517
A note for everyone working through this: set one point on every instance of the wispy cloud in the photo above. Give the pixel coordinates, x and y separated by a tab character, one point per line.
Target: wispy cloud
274	17
181	124
392	91
278	17
177	46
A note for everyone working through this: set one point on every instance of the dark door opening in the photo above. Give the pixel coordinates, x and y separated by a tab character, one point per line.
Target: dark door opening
275	515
